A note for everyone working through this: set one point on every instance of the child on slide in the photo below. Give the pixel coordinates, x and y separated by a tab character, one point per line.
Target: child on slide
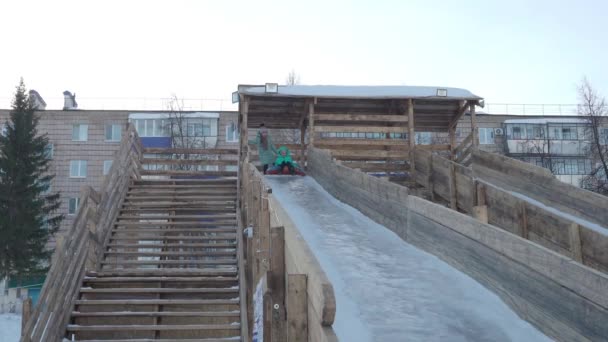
284	164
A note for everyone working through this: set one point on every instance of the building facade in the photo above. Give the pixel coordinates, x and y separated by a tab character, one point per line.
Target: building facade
558	143
83	144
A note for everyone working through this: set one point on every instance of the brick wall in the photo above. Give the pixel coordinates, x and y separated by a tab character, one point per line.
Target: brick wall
95	150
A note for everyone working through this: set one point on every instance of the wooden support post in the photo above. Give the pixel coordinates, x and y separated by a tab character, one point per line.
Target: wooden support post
244	138
302	126
452	135
297	308
453	189
474	129
276	283
412	137
311	124
481	193
480	212
575	242
249	279
267	317
430	182
263	250
26	313
523	219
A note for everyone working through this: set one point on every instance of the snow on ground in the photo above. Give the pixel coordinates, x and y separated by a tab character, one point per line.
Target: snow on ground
10	327
387	289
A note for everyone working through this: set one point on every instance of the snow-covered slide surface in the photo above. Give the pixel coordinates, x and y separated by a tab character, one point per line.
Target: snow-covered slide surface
387	289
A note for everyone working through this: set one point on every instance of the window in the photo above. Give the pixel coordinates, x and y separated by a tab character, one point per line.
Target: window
517	132
113	132
73	204
152	127
486	136
80	132
568	133
232	132
78	168
423	138
107	164
48	151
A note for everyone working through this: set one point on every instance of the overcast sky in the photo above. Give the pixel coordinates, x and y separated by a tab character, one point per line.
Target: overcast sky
516	51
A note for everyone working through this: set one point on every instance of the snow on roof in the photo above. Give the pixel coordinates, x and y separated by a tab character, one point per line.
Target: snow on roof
546	121
380	92
166	115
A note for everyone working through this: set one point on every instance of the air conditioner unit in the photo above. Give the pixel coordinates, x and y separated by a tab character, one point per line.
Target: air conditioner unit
498	131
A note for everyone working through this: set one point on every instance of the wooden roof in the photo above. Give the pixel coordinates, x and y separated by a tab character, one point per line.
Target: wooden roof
289	107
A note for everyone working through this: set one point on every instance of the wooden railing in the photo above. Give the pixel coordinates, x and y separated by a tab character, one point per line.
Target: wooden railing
80	250
297	299
463	151
464	190
190	162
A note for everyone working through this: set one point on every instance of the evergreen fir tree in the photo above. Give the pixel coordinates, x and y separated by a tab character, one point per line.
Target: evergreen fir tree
27	211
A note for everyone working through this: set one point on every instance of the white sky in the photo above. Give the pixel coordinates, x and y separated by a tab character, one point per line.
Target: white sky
516	51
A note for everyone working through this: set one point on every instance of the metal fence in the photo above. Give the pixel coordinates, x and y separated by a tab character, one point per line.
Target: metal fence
136	103
211	104
530	109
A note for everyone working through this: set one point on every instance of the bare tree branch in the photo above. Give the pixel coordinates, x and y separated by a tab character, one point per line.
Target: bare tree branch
593	107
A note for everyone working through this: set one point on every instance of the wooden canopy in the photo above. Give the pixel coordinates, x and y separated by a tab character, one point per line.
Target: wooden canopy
369	127
288	108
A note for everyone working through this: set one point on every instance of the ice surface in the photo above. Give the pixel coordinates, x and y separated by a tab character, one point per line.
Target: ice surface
386	289
364	91
10	327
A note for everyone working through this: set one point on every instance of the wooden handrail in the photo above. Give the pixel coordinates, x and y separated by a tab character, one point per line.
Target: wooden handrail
463	145
190	151
80	249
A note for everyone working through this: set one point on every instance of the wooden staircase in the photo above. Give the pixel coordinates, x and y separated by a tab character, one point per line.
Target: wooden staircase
170	270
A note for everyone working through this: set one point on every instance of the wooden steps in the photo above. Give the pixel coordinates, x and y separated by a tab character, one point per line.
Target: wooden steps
169	270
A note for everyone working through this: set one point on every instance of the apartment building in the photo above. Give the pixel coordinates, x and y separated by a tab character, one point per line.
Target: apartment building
558	143
83	143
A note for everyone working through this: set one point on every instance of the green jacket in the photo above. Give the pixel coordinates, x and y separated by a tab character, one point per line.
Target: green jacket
266	155
283	159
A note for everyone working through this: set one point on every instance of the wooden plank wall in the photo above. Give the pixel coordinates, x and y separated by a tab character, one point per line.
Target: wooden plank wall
538	183
81	248
566	300
276	251
372	155
510	212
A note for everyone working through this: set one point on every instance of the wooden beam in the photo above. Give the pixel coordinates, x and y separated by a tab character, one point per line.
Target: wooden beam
311	123
412	137
297	308
203	151
474	129
452	136
522	216
453	188
459	114
276	283
575	242
358	129
361	117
